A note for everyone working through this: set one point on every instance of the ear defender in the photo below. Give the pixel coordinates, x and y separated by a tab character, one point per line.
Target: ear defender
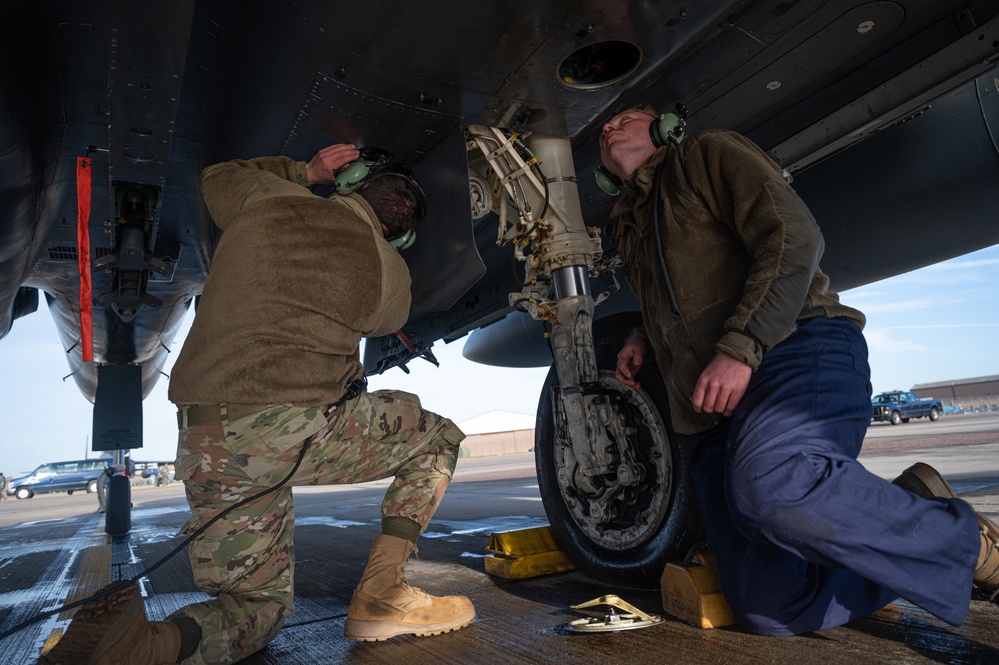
667	128
607	181
351	177
405	241
374	164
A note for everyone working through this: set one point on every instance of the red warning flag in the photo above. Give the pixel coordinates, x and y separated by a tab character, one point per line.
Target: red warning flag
83	166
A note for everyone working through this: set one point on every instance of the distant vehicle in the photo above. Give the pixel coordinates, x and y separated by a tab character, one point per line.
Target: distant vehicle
59	477
898	407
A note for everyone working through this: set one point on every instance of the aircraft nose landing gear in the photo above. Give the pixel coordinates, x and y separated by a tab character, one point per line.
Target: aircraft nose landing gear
612	478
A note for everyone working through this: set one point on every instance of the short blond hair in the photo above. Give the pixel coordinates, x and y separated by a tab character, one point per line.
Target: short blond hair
647	109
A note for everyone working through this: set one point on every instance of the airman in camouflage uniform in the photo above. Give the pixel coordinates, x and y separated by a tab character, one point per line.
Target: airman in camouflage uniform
266	387
246	557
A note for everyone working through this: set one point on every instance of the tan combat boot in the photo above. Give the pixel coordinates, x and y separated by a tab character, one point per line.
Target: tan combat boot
114	631
384	605
925	481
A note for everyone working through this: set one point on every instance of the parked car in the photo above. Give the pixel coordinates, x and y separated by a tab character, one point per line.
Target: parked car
58	477
899	406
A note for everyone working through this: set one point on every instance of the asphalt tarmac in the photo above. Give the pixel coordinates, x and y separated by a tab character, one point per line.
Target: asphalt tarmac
53	547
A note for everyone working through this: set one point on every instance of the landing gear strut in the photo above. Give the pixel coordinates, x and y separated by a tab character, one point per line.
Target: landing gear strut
612	477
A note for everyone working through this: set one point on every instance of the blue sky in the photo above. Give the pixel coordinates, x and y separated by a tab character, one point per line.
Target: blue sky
934	324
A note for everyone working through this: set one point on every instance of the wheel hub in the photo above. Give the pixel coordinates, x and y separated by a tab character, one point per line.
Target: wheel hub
624	508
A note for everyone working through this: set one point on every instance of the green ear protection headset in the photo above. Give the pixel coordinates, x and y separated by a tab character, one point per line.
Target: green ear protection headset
405	241
667	128
372	165
351	177
607	181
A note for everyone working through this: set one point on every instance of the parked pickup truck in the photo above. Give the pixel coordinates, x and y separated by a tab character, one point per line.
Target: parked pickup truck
897	407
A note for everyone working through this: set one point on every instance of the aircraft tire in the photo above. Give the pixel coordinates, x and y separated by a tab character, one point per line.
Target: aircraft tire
118	519
634	554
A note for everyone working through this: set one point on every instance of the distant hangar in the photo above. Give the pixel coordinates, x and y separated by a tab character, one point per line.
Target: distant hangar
974	392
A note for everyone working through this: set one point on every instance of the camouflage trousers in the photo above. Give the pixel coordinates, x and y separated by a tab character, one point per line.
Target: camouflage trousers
246	559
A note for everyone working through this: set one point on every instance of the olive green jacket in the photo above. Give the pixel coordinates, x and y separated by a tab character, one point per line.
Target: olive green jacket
296	281
742	252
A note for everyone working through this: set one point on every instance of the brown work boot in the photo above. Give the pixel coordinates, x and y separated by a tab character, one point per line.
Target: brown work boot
987	571
384	605
114	631
925	481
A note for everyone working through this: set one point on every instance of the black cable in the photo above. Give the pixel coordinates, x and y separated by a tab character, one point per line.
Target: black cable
547	327
125	583
544	180
541	175
537	165
518	307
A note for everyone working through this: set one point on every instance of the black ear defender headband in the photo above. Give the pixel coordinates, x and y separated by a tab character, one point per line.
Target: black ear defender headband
667	128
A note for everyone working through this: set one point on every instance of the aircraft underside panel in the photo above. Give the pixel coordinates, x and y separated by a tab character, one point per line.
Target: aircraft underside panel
118	408
923	190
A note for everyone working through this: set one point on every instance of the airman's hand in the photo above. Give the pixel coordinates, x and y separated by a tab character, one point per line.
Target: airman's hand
630	359
721	385
322	168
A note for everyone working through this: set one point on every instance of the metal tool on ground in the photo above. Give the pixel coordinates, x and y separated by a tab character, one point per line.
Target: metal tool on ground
631	619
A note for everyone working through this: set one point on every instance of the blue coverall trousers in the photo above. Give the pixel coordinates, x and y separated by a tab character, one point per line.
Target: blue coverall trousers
805	537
